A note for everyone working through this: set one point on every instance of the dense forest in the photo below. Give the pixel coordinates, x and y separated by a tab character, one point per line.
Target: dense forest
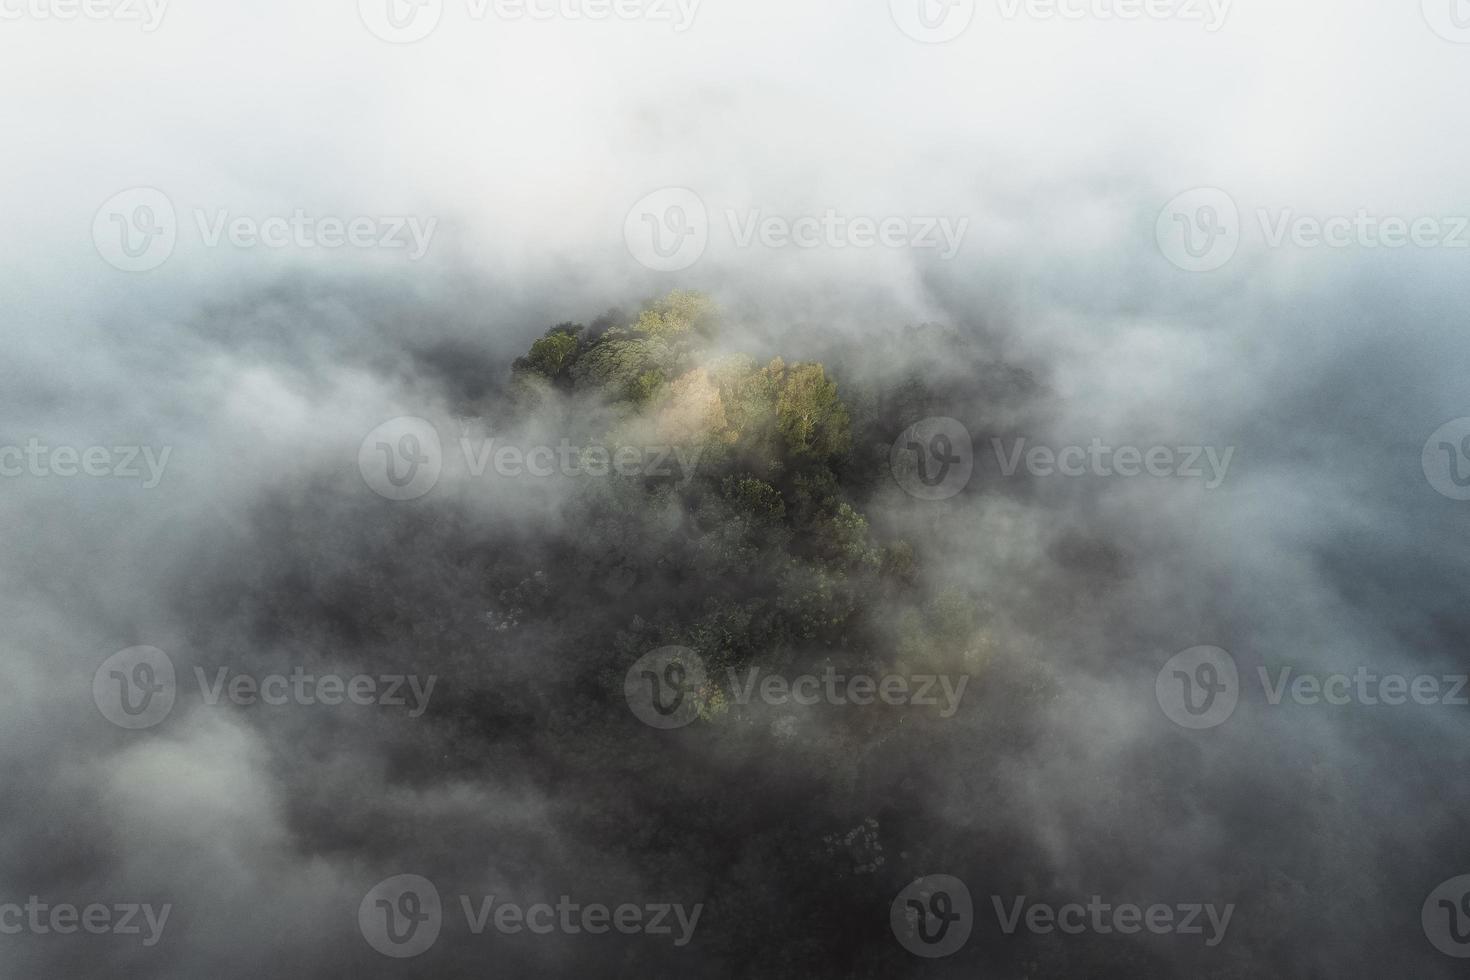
775	542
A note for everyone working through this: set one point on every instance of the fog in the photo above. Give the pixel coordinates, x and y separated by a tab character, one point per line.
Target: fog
1060	319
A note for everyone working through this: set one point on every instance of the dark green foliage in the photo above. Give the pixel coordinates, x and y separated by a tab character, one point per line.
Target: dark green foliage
763	522
761	501
811	417
623	369
551	355
766	555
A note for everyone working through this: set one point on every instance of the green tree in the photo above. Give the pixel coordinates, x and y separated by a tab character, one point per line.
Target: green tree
678	313
552	354
810	415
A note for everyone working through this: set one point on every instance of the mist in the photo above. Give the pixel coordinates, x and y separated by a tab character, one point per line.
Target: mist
238	374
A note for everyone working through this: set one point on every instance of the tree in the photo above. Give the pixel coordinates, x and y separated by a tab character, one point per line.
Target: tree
552	354
810	415
678	313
